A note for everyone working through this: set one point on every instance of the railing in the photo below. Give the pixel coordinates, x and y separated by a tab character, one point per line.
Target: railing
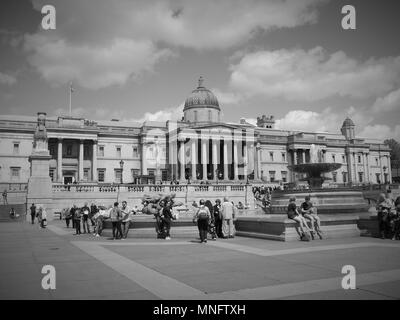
133	188
10	186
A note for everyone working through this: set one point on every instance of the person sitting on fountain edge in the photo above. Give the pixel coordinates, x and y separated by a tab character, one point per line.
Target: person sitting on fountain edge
294	215
310	213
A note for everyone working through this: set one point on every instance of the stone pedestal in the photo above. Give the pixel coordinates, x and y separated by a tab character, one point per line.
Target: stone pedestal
39	183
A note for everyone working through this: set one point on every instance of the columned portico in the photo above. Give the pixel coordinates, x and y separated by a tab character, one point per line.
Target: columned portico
215	159
59	160
226	176
194	160
80	164
204	156
94	160
182	176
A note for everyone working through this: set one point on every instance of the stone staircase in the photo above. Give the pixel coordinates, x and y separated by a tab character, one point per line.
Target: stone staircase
5	212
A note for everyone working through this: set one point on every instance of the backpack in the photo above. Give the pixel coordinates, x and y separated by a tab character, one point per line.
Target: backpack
203	214
305	237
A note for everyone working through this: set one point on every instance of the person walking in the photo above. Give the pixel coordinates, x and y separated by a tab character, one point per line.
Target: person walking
211	224
126	219
85	218
33	213
228	214
5	201
166	220
116	217
68	216
77	220
202	217
218	218
93	211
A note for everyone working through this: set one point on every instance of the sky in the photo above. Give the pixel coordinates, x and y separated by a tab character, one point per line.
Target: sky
139	60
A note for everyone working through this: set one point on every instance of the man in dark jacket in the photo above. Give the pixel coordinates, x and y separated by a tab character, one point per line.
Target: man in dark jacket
218	218
33	212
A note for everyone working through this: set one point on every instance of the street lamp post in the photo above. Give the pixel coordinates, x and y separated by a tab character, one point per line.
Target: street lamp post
121	165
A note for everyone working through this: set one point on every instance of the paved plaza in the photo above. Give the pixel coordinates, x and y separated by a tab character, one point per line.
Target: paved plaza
240	268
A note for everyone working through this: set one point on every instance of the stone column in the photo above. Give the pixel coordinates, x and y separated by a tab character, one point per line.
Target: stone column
389	169
204	157
215	159
144	160
245	162
368	179
258	150
226	177
235	161
303	152
182	159
255	152
80	176
94	161
295	156
59	161
355	167
194	173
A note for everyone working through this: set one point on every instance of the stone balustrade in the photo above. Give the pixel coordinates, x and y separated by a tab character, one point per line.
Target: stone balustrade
110	188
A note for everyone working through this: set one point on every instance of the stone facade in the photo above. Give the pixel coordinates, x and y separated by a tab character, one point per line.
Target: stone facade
201	147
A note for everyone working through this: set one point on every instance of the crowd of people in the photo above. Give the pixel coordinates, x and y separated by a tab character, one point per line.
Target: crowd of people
306	217
388	216
216	220
91	219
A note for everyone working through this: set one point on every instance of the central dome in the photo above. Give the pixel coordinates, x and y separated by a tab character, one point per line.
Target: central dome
201	97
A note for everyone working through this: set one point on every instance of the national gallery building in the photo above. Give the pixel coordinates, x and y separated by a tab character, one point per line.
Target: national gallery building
200	147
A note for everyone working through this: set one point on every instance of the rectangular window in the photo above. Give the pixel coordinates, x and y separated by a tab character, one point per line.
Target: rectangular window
15	173
134	173
151	172
101	174
86	175
334	176
378	178
51	174
377	161
86	152
69	150
271	156
343	159
361	176
135	152
118	149
359	159
272	176
334	158
117	175
284	176
283	157
344	177
16	148
164	175
101	151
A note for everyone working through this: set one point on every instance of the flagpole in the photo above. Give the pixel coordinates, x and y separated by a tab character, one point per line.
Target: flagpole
70	98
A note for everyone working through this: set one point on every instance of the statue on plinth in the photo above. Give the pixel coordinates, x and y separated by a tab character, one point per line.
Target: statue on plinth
40	140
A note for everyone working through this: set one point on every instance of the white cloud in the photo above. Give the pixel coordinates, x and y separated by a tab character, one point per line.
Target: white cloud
225	97
388	103
206	24
312	75
328	120
91	67
7	79
173	114
381	131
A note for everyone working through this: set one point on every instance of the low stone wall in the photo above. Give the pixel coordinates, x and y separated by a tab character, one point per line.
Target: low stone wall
279	227
63	197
